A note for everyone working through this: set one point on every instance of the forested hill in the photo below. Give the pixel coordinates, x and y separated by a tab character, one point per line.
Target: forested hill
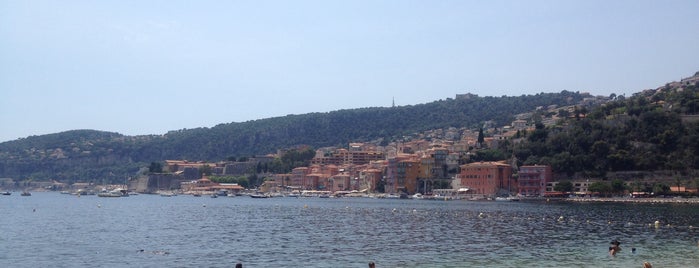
88	154
653	130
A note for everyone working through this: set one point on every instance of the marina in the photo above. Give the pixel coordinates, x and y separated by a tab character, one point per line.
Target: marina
52	229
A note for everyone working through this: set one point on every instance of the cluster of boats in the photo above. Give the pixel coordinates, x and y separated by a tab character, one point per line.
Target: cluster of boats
24	193
119	192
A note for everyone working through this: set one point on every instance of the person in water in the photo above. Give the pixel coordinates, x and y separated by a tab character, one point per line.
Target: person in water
614	247
371	264
647	265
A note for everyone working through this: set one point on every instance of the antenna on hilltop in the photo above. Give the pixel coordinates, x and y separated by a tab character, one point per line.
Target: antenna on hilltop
394	102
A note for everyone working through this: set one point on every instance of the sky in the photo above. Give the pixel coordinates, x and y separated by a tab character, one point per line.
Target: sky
148	67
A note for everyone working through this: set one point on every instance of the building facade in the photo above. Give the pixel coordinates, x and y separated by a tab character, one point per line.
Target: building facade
487	178
532	180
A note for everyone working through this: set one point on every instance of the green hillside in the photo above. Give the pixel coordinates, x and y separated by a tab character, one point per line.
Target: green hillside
87	155
654	130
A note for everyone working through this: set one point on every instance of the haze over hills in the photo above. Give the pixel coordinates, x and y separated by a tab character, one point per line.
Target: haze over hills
89	154
587	137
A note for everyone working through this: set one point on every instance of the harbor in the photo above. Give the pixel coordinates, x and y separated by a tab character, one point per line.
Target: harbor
341	232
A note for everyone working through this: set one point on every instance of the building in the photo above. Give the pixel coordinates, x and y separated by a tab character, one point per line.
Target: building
400	170
487	178
204	185
358	154
532	180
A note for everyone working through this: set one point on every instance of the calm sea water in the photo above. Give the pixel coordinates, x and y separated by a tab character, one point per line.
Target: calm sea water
54	230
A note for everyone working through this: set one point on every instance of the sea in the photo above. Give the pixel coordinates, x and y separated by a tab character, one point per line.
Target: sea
50	229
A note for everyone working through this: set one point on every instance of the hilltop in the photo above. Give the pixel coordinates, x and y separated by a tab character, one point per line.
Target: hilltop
89	155
577	134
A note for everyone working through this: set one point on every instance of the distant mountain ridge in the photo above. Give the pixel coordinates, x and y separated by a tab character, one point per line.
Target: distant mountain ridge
85	155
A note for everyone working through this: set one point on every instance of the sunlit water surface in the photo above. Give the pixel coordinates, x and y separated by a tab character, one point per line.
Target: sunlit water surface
54	230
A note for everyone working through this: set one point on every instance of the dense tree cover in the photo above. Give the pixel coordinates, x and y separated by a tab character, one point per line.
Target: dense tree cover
645	132
243	181
289	160
87	155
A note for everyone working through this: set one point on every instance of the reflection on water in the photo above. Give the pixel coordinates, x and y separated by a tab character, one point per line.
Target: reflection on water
49	229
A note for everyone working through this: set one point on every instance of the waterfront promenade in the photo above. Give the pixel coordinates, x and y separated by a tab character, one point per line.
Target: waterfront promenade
633	200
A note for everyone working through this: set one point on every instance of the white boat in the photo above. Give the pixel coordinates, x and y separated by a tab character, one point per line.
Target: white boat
506	199
109	194
118	192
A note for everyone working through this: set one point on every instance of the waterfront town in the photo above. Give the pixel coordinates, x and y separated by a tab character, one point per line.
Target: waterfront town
435	164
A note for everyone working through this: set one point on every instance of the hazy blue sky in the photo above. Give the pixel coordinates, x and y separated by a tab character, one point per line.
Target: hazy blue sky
146	67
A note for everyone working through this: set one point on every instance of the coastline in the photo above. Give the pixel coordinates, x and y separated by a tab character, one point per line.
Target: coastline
632	200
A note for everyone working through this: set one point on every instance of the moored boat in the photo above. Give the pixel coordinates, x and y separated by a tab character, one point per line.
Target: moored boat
114	193
506	199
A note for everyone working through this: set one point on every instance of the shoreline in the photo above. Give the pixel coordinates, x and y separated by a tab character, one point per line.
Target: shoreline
652	200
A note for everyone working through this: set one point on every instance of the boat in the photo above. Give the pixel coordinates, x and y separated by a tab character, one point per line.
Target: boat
6	193
167	193
259	196
114	193
25	193
109	194
506	199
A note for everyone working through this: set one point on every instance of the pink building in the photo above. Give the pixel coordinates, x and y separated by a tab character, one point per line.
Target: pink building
533	179
486	178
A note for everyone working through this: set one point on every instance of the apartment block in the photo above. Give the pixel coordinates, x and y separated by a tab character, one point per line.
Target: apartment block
532	180
487	178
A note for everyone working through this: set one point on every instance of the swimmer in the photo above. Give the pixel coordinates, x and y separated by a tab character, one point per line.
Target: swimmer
614	247
371	264
647	265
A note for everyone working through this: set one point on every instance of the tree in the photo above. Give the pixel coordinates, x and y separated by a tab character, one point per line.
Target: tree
660	188
481	137
205	170
618	186
155	167
564	186
600	187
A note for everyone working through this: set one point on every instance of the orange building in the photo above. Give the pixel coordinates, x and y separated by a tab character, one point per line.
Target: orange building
487	178
406	176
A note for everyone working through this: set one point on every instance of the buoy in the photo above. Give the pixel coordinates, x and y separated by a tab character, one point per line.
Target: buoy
305	206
